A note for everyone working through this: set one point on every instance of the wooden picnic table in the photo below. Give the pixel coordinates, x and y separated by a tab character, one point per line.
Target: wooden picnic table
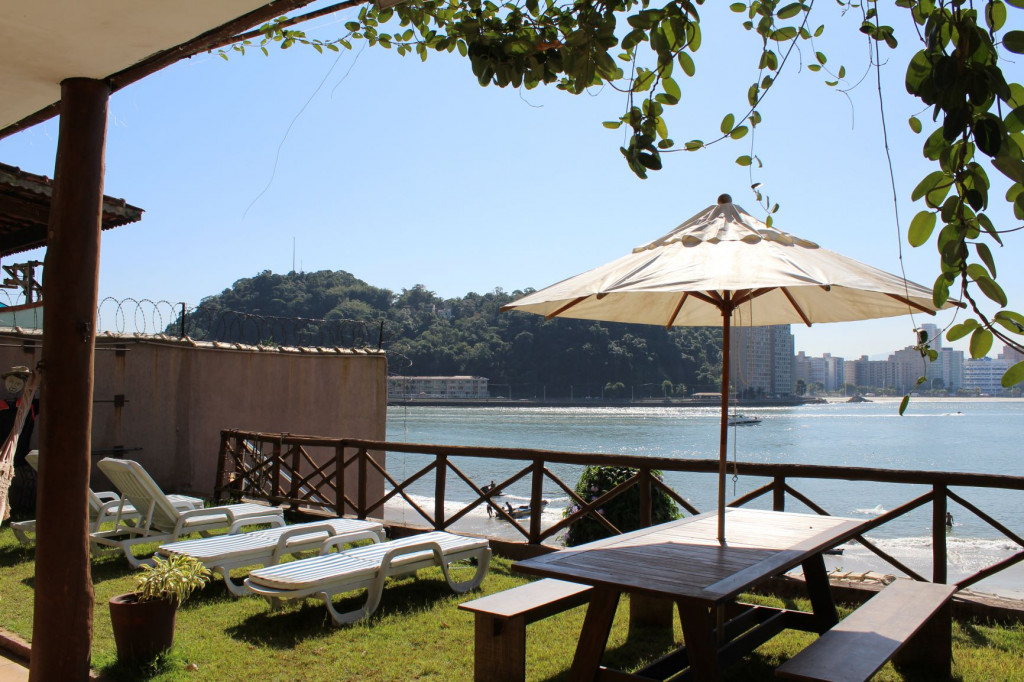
684	562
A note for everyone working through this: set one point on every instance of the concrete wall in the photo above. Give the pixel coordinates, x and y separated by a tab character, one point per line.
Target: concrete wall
177	396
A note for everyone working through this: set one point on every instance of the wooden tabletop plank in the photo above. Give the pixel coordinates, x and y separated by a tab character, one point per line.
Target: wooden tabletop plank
684	558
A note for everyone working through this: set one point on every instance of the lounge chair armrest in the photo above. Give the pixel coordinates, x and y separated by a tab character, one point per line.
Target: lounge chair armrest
185	515
107	496
108	506
275	521
392	554
306	529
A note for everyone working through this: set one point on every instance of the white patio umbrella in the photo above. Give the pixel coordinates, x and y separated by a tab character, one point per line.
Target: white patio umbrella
702	272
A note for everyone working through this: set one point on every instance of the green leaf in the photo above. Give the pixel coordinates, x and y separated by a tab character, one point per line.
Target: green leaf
686	63
1014	120
789	11
940	291
612	125
986	257
995	15
926	185
694	145
904	403
921	228
1013	376
1011	320
738	7
989	287
915	124
959	331
671	88
788	33
1014	41
738	132
727	124
981	342
1010	167
744	160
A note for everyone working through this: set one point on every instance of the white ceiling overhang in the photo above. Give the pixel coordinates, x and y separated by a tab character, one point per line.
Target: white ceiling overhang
43	42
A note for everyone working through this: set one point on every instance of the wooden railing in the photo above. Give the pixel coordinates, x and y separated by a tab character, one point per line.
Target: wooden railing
337	474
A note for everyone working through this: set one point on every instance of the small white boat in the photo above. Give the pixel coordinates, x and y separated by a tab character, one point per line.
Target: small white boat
743	420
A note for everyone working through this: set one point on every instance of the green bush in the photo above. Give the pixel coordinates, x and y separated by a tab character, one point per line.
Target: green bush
622	511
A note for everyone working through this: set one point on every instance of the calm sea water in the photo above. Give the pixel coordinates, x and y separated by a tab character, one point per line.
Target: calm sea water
934	435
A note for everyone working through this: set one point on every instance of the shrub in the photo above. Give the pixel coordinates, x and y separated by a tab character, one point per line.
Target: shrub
622	511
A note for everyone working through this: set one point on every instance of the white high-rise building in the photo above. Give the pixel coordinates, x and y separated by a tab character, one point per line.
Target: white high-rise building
983	375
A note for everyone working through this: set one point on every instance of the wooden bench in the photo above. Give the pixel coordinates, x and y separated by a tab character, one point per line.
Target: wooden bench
909	620
501	620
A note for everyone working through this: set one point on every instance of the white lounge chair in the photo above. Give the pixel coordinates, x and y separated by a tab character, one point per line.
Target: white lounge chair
266	547
368	568
104	507
160	521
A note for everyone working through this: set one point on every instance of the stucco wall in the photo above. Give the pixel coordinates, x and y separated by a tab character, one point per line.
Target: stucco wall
178	397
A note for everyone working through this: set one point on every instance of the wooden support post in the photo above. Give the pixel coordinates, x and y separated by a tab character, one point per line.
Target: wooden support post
293	491
536	493
275	472
364	467
939	509
820	593
439	486
225	446
646	500
779	493
62	621
339	480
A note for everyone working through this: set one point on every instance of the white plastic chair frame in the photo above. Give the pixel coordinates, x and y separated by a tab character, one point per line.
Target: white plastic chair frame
160	520
396	558
268	547
103	508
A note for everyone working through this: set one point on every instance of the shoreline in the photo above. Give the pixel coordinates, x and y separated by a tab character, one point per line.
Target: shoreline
650	402
681	402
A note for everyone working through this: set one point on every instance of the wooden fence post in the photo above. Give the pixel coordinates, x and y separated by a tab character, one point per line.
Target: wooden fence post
339	479
218	488
293	491
536	495
363	465
439	489
646	500
939	533
779	493
275	471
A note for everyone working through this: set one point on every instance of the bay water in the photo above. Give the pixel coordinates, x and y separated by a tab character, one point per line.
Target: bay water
954	435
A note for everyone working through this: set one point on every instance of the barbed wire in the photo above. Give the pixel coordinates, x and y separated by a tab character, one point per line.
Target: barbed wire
203	323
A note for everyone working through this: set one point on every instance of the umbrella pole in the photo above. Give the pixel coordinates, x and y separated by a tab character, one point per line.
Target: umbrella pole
723	445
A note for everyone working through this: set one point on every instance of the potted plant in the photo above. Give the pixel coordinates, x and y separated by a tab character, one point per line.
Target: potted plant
143	620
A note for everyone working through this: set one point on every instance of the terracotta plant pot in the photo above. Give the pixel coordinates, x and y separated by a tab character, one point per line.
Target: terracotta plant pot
142	630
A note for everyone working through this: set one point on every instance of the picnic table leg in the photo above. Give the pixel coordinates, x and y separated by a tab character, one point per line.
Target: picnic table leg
500	654
930	650
649	612
820	592
699	639
597	625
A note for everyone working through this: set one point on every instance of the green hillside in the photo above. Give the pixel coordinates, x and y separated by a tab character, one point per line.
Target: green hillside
520	353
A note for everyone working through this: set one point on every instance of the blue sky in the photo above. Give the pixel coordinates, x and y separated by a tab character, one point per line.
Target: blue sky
406	173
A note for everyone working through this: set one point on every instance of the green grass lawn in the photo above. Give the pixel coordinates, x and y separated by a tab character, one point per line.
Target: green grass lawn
416	634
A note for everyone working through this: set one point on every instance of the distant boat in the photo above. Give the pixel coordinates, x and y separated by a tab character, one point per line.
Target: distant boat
743	420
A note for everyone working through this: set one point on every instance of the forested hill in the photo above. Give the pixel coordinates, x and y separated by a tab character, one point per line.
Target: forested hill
521	352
